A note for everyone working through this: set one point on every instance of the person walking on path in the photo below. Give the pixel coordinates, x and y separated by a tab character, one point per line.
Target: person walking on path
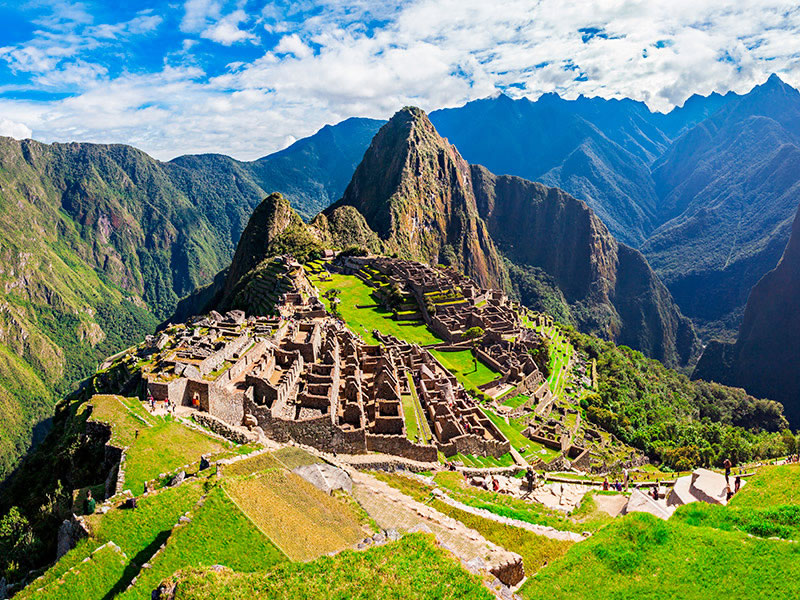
727	464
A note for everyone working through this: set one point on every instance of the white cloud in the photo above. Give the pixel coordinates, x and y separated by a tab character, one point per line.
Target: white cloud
292	44
18	131
336	59
226	31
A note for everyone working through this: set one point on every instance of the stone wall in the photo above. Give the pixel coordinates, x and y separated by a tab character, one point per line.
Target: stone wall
222	428
472	444
401	446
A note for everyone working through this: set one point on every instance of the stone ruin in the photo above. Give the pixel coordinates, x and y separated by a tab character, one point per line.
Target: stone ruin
309	379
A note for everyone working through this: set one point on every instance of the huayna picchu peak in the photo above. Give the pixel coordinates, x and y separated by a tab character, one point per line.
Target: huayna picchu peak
425	202
419	300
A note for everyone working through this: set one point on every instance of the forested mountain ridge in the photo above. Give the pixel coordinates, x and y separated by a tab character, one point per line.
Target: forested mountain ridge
100	241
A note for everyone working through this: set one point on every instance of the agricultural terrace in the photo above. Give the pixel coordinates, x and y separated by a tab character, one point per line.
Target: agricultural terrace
771	486
217	533
412	569
302	521
353	293
470	372
155	444
512	429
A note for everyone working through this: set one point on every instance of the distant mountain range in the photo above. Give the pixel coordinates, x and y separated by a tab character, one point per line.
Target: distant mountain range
100	241
765	358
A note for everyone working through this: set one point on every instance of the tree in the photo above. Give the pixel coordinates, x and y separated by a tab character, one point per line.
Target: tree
17	543
473	334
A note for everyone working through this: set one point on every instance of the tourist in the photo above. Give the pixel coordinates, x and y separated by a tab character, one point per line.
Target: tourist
605	484
89	504
655	492
529	477
495	484
727	464
728	494
737	484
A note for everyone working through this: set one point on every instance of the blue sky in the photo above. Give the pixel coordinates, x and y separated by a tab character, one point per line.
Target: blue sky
247	78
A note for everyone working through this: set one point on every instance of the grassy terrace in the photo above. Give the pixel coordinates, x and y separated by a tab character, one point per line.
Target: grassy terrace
637	557
513	432
770	486
354	292
155	444
302	521
500	504
470	373
219	533
560	353
412	568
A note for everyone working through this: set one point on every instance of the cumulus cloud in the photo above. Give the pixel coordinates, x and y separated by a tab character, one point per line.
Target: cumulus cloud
226	31
292	67
18	131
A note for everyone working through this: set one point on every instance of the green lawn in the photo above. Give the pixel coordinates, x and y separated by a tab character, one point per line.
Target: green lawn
515	401
640	556
412	568
137	532
513	432
560	352
155	444
462	365
363	320
471	460
163	448
88	579
410	417
219	533
770	486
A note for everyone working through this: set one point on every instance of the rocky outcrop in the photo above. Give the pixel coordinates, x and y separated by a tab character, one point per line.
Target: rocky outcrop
414	191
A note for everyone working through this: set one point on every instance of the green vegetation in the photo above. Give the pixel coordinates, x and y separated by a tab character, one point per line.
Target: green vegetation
471	460
354	292
771	486
89	579
155	444
641	556
536	550
470	372
680	422
513	432
301	520
218	533
776	521
412	568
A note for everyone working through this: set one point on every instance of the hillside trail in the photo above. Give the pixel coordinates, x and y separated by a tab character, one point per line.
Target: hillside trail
392	509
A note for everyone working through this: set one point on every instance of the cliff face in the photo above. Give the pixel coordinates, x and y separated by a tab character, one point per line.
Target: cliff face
609	288
424	201
415	192
765	360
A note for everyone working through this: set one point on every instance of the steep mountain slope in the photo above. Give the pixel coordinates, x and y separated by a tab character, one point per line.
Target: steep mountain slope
597	150
765	359
608	287
100	241
425	202
728	190
414	191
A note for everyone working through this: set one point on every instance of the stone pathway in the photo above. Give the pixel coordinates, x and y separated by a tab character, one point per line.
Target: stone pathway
550	532
391	509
